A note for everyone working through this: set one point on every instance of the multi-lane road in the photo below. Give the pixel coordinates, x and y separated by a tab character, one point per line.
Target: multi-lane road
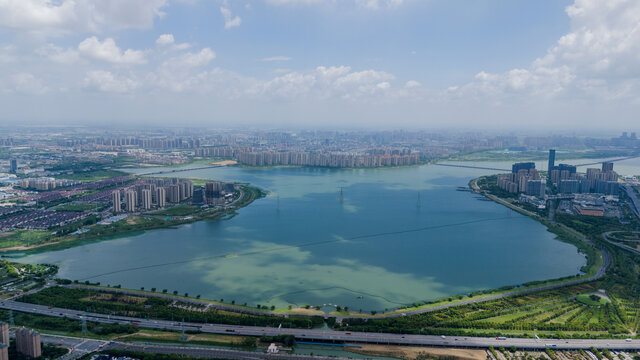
326	335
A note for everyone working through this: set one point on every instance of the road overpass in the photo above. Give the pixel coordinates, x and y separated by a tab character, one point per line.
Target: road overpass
326	335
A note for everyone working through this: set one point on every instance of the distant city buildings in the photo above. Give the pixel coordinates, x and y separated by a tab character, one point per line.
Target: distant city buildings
45	183
525	179
13	166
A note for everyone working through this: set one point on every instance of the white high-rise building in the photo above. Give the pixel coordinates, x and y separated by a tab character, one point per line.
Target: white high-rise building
161	197
115	198
146	199
130	200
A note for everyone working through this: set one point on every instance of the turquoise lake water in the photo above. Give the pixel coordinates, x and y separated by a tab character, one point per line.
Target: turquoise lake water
377	248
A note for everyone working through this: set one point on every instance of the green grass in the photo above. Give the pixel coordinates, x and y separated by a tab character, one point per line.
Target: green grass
94	175
77	207
585	299
24	237
181	210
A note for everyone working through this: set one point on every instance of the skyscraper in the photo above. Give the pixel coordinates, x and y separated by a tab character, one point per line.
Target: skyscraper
522	166
28	342
607	166
13	166
161	197
552	162
4	352
4	333
146	199
115	198
130	200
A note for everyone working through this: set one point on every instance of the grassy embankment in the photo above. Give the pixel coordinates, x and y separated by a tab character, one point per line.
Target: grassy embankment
102	302
93	175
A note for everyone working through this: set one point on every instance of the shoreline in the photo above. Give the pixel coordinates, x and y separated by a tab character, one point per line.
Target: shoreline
248	196
452	300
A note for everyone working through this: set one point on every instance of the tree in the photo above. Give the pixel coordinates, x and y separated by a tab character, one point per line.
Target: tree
373	312
142	288
164	291
273	307
175	292
186	294
198	296
153	289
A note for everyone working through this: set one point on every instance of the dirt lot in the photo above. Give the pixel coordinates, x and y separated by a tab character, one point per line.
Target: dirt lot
412	352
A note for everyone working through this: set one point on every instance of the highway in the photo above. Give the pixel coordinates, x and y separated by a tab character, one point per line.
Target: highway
618	244
326	335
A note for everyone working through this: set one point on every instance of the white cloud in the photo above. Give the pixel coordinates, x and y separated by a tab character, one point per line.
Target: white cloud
7	53
278	58
58	54
367	4
54	17
167	40
189	60
377	4
597	59
108	82
229	20
412	84
327	82
28	84
108	51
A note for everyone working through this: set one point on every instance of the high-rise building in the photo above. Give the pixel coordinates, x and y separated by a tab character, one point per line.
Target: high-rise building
198	196
146	199
4	352
130	200
13	166
28	342
607	166
522	166
173	191
115	198
568	186
535	188
4	333
552	162
161	197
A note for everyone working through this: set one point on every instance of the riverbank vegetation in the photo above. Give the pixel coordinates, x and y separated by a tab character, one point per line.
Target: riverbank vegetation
567	311
158	308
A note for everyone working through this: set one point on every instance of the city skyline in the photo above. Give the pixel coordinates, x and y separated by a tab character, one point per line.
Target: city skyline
347	64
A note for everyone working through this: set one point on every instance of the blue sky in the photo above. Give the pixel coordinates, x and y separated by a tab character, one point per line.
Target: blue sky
551	64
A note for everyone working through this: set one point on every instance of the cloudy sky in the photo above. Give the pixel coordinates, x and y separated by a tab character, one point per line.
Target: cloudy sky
547	64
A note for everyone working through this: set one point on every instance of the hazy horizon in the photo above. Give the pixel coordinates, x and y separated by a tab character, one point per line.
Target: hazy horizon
566	66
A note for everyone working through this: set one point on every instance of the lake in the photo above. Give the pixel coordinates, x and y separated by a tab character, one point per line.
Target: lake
398	235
